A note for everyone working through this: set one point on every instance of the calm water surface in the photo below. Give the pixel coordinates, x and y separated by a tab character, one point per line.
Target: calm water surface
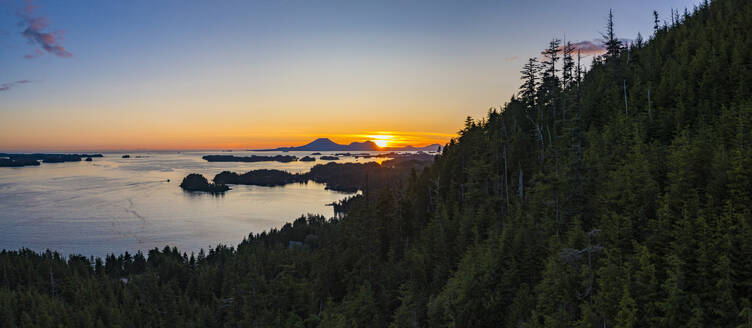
114	204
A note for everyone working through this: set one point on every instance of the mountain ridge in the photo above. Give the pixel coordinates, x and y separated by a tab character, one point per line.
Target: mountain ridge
326	144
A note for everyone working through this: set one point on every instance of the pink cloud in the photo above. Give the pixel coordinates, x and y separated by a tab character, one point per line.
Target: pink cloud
35	34
593	47
29	7
586	48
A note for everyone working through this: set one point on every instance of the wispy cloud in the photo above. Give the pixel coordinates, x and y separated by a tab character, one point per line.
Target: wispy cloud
10	85
593	47
35	34
587	48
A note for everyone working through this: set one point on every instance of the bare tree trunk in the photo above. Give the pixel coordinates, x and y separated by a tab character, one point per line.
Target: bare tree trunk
564	108
506	177
626	108
462	183
520	187
506	167
650	112
52	283
556	192
542	140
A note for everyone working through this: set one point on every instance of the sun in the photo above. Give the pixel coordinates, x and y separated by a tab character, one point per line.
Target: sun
381	140
381	143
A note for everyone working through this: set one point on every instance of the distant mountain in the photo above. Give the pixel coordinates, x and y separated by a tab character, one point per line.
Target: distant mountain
324	144
319	144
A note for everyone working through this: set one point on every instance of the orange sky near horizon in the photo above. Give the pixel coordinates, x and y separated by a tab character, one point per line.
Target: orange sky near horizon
209	140
176	115
146	75
204	75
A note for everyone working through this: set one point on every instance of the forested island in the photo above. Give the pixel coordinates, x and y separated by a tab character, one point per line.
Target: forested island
197	182
263	177
616	197
290	158
345	177
17	160
250	159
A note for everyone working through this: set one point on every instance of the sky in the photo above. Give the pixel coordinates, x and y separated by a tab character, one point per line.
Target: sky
151	75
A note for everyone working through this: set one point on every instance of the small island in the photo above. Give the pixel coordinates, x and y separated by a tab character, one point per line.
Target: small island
329	158
344	177
9	162
308	159
252	158
197	182
126	156
18	160
263	177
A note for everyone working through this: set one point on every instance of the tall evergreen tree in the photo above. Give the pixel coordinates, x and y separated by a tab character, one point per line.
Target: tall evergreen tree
613	45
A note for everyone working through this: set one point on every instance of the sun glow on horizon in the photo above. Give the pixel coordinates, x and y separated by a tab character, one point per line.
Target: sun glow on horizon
381	143
382	140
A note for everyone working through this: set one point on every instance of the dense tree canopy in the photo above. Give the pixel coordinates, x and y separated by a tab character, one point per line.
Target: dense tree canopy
620	197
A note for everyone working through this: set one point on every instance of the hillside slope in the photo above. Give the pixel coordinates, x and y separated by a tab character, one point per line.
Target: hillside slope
573	205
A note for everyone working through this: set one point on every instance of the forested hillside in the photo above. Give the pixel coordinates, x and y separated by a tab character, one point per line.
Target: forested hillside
616	197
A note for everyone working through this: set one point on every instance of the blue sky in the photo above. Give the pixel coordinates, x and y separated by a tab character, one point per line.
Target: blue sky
160	74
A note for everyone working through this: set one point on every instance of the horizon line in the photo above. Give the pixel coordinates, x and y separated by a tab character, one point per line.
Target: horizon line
122	150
